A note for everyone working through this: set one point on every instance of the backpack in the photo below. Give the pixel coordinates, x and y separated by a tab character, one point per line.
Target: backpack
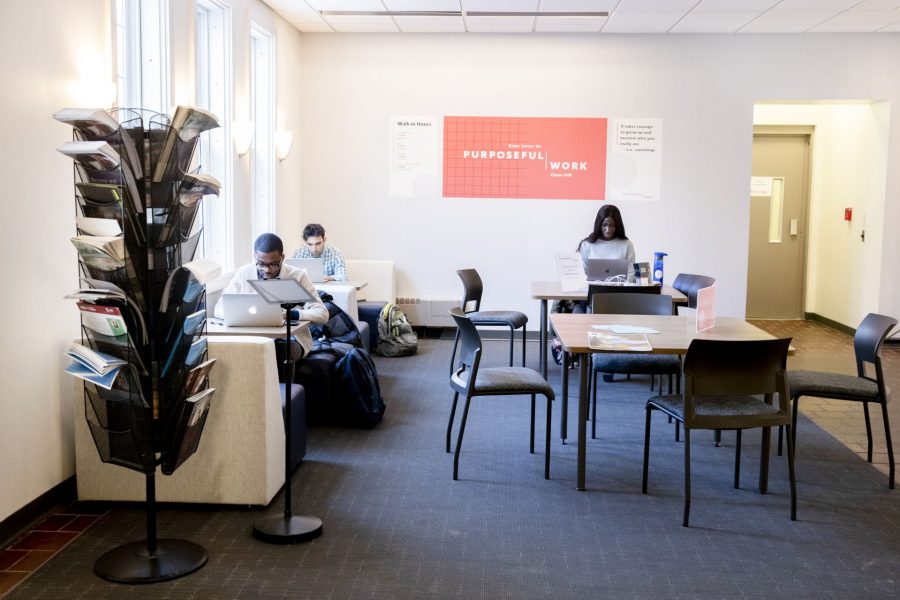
395	335
340	326
357	392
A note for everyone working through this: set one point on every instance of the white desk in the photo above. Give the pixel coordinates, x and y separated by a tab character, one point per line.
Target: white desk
216	327
358	284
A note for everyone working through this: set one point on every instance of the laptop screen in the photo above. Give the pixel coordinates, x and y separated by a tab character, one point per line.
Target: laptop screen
250	310
608	270
314	267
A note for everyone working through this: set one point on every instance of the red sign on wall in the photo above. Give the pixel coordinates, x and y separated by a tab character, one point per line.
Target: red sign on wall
524	157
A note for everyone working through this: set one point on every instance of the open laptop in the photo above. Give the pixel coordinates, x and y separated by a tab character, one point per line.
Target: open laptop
250	310
315	267
608	270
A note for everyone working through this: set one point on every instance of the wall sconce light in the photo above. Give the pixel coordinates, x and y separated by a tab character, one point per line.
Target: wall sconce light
242	134
283	142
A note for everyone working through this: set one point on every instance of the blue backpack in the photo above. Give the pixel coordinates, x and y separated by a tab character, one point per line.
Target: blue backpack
357	393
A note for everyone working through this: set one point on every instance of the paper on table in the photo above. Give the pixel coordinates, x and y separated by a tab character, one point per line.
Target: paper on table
625	328
627	343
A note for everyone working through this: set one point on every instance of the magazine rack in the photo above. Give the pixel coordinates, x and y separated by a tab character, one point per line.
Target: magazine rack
154	412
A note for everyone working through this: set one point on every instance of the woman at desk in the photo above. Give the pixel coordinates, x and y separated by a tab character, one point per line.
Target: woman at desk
608	239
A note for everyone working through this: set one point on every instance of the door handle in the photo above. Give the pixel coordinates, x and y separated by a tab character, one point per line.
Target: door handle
793	227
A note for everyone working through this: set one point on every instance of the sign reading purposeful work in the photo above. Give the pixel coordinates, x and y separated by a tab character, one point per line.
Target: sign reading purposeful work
525	157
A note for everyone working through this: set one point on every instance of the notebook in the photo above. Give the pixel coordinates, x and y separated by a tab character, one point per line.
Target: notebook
250	310
314	267
608	270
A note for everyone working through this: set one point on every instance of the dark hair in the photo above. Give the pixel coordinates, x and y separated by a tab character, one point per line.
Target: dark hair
313	230
268	242
607	210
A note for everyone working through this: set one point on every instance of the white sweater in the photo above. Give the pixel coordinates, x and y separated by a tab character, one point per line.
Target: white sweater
614	248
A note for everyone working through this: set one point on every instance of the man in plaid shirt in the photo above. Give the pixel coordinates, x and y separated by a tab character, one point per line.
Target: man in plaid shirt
315	247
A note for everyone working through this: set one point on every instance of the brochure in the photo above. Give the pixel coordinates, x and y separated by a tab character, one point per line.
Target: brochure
618	343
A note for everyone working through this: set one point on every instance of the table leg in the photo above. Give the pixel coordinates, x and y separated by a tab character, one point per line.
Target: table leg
564	417
582	418
543	338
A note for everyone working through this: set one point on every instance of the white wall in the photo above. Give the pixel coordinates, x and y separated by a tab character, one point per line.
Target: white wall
702	86
848	168
49	47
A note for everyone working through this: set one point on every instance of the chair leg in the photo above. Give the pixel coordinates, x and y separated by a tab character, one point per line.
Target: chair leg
453	355
594	408
653	384
462	430
868	431
780	436
677	431
890	446
524	337
531	445
547	439
794	410
670	383
512	343
789	431
564	405
450	422
764	460
718	437
687	476
646	450
737	459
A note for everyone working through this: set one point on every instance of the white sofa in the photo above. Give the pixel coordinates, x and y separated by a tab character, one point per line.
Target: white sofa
240	459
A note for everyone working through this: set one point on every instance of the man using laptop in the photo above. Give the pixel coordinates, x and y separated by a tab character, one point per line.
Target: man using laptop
314	246
268	252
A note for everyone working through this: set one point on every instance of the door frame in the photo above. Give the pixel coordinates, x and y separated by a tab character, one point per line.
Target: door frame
808	132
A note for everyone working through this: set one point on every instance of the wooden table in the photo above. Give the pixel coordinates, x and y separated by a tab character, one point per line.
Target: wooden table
551	290
674	337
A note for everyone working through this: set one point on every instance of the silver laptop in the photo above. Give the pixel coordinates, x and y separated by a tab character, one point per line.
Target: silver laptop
250	310
314	267
608	270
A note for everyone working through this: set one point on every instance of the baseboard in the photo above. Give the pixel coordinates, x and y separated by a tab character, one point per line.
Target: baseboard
18	522
829	323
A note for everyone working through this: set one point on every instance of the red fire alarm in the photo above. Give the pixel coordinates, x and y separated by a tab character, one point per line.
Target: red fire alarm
848	214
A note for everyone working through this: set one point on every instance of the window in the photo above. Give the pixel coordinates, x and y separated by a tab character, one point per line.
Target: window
142	54
213	68
262	110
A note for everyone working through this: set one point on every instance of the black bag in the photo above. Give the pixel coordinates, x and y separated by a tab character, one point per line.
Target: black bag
296	355
340	326
315	374
357	393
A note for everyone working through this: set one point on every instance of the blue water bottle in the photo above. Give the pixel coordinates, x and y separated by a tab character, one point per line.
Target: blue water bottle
658	267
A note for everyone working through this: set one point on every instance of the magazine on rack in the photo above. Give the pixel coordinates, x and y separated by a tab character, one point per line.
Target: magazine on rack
185	430
92	122
95	155
186	125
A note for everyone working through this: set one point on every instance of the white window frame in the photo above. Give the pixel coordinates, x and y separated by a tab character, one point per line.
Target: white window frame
214	93
262	110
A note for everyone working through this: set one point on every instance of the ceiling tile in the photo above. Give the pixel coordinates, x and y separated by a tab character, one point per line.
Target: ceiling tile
878	5
345	4
833	6
431	24
713	22
320	27
893	27
640	22
805	19
734	5
569	24
361	23
423	5
756	27
500	24
578	5
499	5
874	18
679	6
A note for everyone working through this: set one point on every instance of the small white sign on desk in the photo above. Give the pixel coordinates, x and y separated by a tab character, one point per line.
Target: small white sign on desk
571	272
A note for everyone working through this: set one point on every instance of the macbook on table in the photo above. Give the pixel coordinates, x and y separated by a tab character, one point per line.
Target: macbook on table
250	310
608	270
314	267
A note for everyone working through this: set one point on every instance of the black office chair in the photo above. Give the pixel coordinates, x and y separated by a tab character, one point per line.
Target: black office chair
470	380
688	285
636	363
471	304
863	387
729	385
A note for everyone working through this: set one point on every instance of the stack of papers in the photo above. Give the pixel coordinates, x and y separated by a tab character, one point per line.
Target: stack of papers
618	343
624	329
93	366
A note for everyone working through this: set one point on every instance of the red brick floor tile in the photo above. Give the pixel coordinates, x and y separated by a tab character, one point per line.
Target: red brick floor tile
81	523
85	508
9	580
53	523
44	540
10	557
32	561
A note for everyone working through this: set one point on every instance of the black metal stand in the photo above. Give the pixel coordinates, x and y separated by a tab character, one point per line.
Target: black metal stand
153	560
287	528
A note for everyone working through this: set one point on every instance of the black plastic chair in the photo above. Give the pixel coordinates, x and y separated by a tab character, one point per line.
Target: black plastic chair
688	284
867	343
729	385
471	305
631	363
470	380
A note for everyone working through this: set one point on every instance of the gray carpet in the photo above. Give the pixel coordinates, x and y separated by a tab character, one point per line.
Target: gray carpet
397	526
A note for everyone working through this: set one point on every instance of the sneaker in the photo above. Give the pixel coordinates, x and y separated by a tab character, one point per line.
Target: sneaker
556	350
